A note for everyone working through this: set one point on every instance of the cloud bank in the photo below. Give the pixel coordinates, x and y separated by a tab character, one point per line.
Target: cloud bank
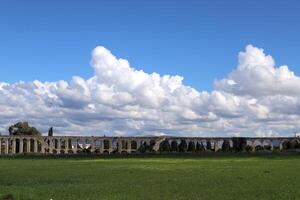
257	98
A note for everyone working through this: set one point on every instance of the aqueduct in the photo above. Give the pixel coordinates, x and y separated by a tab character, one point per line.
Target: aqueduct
128	145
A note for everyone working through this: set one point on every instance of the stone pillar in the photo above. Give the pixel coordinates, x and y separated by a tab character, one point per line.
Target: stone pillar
51	145
6	146
28	145
272	146
21	146
1	146
42	147
58	146
253	146
101	146
92	145
128	146
280	146
120	147
13	151
216	144
35	150
66	145
138	144
75	146
110	145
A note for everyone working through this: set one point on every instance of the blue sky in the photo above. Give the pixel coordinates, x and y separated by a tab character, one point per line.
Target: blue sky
199	40
206	42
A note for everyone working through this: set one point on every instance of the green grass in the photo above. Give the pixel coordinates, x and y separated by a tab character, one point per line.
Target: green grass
154	177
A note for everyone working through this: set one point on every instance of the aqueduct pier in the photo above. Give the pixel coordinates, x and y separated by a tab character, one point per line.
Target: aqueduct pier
107	145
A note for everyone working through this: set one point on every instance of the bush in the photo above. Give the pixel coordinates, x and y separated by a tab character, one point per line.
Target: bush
7	197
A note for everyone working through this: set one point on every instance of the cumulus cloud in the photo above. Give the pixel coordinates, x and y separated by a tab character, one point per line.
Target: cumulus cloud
255	99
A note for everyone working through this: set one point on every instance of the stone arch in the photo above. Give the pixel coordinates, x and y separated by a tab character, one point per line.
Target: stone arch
25	145
74	143
39	146
257	144
124	144
133	145
105	152
63	144
2	149
32	145
17	146
106	144
124	152
69	142
55	143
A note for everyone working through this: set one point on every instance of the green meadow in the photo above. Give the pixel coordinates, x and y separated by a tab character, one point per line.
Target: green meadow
153	177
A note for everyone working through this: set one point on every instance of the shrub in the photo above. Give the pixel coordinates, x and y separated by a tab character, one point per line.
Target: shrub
7	197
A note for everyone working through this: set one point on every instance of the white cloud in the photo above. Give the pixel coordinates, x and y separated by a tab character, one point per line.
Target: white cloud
120	100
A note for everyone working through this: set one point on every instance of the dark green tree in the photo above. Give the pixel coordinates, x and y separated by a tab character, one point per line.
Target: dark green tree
182	146
199	147
50	132
226	145
174	146
208	145
165	146
22	128
143	147
239	144
152	144
191	147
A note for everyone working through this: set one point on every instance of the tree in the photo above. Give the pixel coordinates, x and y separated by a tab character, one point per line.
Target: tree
174	146
22	128
165	146
50	132
208	145
226	145
182	146
191	146
199	147
239	144
142	148
152	144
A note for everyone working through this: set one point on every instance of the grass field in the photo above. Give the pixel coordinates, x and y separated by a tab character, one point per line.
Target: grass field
154	177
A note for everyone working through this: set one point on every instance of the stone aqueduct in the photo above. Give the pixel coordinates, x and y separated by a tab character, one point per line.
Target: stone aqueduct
108	145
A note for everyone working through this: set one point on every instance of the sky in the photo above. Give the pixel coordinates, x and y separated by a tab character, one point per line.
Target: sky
194	67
